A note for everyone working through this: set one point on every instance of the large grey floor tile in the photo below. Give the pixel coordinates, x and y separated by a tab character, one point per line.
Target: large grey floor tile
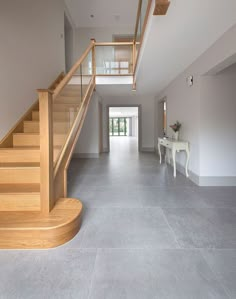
217	196
141	274
108	197
46	274
173	197
223	264
128	228
203	228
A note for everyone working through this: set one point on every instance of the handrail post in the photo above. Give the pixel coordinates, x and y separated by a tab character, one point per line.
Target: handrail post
134	55
46	150
93	57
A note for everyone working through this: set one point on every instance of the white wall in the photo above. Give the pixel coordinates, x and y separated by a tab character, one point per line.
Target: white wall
83	36
218	124
31	53
88	142
134	126
186	104
147	117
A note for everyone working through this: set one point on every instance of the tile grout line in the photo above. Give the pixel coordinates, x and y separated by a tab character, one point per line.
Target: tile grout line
217	277
93	274
171	229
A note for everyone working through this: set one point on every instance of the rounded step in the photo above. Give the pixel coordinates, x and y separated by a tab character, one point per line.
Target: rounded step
21	230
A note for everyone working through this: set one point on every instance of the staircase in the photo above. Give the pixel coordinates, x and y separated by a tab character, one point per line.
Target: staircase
34	157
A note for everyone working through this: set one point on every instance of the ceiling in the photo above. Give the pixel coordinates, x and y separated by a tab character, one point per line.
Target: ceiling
107	13
123	111
176	40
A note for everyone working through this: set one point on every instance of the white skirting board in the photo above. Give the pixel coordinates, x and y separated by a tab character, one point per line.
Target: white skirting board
205	181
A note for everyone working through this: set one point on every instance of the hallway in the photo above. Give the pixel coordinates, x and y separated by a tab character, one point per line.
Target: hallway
144	235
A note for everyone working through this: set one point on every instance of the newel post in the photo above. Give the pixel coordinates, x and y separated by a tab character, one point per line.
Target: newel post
46	150
93	57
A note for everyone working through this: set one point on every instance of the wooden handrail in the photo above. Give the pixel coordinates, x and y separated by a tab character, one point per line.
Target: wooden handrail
114	44
70	74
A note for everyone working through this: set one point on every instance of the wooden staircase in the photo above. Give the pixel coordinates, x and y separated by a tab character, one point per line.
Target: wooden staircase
34	157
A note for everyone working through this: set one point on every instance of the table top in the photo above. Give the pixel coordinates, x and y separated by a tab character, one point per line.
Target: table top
172	140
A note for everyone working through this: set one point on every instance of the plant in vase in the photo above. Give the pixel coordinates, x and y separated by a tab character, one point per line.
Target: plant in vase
176	127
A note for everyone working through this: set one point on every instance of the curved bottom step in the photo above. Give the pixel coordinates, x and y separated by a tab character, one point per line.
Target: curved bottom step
28	230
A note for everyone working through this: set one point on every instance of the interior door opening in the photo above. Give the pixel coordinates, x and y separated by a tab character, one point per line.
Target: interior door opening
123	129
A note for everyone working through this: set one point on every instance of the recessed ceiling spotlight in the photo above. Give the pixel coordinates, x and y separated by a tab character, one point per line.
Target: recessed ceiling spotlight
91	16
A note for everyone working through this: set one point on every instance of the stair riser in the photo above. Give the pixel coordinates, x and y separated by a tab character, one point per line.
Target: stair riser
20	202
19	175
23	156
32	127
25	140
19	156
57	116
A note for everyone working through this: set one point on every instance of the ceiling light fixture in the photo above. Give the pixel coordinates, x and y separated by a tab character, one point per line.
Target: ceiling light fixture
91	16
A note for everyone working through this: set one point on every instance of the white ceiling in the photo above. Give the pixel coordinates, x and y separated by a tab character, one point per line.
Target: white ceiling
123	111
107	13
179	38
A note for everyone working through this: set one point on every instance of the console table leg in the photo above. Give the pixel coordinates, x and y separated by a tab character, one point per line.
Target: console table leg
159	150
174	162
187	162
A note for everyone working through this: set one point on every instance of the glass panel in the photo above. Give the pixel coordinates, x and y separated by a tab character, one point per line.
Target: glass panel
114	60
119	126
110	127
68	103
115	126
86	73
141	20
122	127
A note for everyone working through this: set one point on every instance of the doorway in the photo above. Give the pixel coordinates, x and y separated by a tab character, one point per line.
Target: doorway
123	128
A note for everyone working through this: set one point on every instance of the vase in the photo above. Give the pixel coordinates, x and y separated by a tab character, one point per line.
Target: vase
176	136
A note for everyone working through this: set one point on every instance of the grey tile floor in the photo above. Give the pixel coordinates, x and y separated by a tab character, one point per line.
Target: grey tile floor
144	235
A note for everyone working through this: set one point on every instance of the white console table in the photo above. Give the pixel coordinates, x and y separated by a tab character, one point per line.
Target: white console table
175	146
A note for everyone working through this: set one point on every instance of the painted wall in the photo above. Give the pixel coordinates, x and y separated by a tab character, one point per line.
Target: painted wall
147	116
218	124
32	53
83	36
186	104
88	142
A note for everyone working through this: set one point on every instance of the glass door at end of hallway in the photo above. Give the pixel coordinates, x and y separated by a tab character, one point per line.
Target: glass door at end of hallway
118	126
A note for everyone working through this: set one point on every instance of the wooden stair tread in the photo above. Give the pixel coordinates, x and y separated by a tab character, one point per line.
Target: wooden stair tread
20	165
23	134
22	148
19	188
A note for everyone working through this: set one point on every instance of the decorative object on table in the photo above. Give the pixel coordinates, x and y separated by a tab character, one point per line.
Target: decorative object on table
176	127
